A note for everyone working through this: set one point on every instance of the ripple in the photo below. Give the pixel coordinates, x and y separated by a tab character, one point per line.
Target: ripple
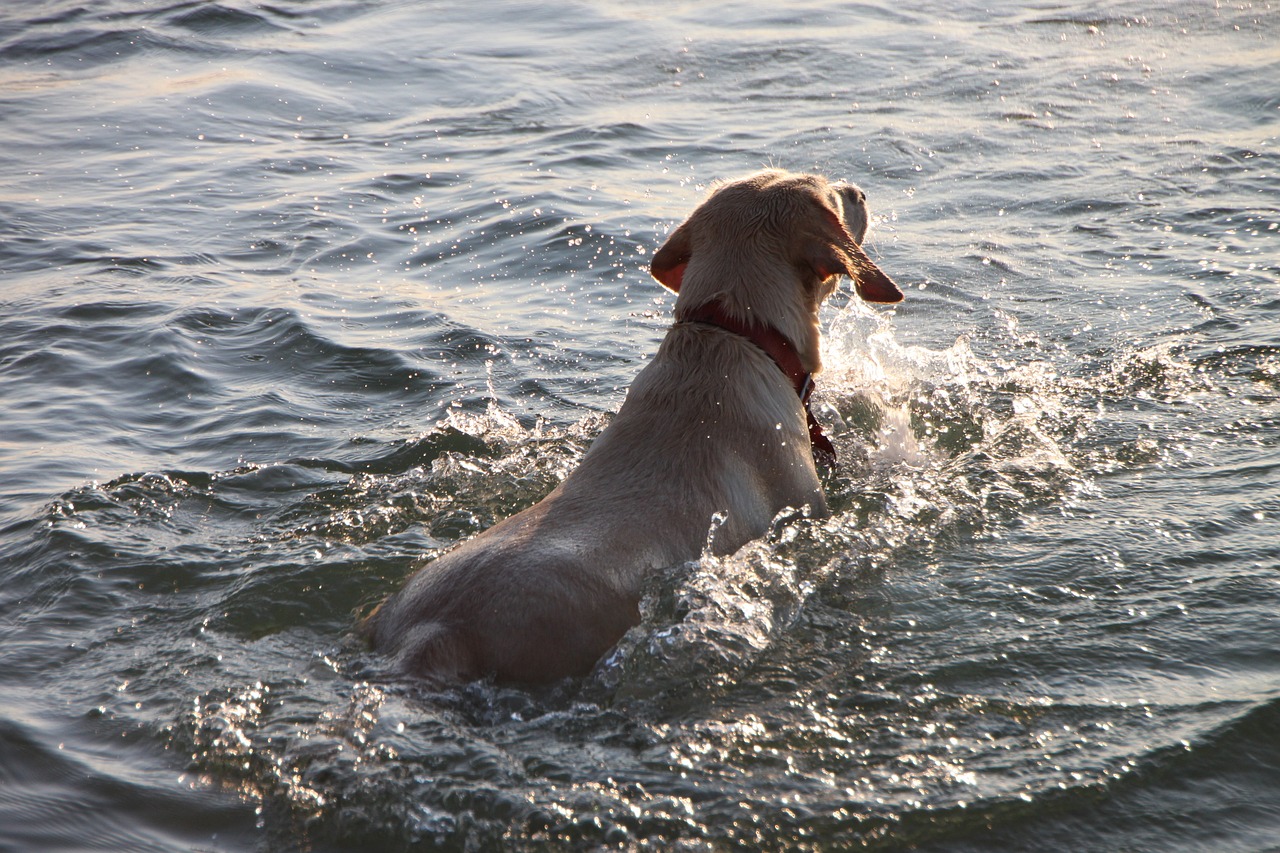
90	46
297	295
220	19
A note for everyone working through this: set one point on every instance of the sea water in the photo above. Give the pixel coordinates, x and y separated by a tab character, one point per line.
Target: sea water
297	294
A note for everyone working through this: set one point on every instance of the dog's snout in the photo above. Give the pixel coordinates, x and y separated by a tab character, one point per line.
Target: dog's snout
853	209
852	193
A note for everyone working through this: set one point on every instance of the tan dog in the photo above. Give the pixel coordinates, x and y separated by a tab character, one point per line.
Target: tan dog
716	423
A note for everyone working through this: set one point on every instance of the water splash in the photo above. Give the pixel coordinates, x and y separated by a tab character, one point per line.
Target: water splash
935	446
706	621
938	448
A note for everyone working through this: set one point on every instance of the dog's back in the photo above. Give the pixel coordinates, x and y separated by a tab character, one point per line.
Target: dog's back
545	593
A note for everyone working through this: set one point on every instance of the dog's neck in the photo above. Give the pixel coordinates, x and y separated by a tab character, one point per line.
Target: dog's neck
755	292
784	355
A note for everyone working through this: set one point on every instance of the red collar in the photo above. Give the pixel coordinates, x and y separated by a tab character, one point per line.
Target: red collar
784	354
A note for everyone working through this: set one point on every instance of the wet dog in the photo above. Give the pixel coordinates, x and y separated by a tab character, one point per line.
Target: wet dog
717	423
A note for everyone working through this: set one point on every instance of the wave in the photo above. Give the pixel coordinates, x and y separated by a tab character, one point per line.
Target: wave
115	32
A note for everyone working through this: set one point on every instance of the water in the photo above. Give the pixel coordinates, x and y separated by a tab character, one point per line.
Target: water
296	293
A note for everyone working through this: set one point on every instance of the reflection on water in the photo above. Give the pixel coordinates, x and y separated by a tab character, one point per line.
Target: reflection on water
797	660
296	295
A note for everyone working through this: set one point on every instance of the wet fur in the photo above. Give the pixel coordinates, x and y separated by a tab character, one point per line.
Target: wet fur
710	426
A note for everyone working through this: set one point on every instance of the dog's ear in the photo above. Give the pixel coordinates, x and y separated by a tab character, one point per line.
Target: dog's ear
871	283
669	262
836	253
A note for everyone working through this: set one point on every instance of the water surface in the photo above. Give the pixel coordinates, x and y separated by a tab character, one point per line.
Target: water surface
296	294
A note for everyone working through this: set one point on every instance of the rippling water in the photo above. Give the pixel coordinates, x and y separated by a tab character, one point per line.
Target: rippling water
296	293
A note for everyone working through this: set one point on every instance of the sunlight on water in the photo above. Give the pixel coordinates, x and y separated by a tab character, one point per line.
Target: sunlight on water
298	295
904	484
935	444
807	658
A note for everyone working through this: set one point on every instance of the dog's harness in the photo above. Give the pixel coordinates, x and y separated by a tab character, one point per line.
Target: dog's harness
784	355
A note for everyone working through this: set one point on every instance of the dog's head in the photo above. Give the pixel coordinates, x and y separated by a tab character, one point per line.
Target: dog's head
774	219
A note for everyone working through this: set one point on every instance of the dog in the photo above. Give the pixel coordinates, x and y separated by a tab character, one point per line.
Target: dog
716	424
